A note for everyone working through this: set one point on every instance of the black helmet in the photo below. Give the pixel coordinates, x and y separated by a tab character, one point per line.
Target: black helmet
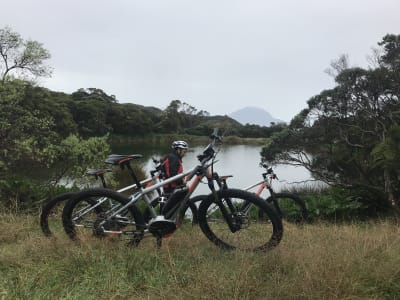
179	145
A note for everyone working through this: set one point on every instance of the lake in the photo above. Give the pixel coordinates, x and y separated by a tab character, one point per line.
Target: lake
241	161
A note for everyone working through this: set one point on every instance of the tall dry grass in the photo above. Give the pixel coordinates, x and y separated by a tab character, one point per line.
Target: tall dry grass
318	261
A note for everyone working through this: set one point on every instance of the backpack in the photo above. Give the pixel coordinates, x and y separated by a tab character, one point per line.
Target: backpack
161	167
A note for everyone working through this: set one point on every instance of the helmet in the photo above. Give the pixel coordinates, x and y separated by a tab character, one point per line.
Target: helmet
179	145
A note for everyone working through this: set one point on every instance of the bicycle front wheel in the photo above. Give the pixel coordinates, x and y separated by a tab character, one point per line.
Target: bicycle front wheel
231	221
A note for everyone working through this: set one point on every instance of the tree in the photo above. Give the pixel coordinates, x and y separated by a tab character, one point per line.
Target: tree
349	135
21	57
93	94
24	133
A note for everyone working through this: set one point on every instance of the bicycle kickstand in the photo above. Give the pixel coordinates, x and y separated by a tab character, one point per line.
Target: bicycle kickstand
159	241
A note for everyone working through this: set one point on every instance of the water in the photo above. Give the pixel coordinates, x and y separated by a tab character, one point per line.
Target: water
241	161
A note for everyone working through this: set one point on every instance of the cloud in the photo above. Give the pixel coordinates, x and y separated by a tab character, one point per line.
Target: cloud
218	56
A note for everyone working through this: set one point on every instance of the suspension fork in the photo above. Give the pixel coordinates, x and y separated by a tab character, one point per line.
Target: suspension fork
227	216
275	202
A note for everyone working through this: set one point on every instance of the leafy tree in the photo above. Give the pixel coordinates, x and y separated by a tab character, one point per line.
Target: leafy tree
73	155
22	57
93	94
348	135
24	133
170	118
51	104
90	109
90	117
130	119
180	116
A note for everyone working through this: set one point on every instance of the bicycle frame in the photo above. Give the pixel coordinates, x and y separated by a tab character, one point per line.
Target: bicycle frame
142	194
174	216
89	208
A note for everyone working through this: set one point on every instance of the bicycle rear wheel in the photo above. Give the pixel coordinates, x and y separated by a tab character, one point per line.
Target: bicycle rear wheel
84	221
289	207
248	231
50	217
194	204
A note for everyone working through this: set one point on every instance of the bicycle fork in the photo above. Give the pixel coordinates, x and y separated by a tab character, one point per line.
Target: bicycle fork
228	216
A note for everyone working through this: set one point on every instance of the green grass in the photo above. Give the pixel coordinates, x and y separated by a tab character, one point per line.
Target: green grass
316	261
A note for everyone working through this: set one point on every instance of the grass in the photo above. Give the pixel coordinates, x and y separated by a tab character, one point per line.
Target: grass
316	261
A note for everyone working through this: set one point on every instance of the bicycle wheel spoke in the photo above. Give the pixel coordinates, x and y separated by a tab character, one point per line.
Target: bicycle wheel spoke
96	213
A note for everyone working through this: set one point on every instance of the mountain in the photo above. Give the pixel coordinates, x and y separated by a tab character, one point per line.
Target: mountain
254	115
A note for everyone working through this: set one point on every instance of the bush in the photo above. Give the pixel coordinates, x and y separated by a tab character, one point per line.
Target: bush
337	204
20	194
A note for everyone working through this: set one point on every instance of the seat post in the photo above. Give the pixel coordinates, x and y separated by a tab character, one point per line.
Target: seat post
133	175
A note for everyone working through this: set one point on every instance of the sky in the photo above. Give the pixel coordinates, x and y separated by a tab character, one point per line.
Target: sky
216	55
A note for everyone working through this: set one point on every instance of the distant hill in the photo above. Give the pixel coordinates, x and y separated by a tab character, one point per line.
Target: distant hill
255	116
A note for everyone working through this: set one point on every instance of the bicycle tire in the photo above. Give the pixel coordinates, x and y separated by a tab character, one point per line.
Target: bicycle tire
195	202
291	208
251	234
48	208
133	215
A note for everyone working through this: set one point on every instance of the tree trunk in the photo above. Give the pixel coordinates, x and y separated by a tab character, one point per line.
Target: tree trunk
393	200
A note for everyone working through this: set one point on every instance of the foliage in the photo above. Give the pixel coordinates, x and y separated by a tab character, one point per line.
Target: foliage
348	136
32	142
21	57
178	116
25	132
74	155
336	204
19	194
67	160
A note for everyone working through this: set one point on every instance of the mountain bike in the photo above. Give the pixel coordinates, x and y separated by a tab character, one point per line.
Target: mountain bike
49	213
288	206
235	211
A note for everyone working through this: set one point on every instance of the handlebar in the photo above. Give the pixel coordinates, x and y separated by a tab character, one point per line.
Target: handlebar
269	171
210	151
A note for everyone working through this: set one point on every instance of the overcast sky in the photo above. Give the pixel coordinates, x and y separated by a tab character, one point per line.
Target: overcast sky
216	55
